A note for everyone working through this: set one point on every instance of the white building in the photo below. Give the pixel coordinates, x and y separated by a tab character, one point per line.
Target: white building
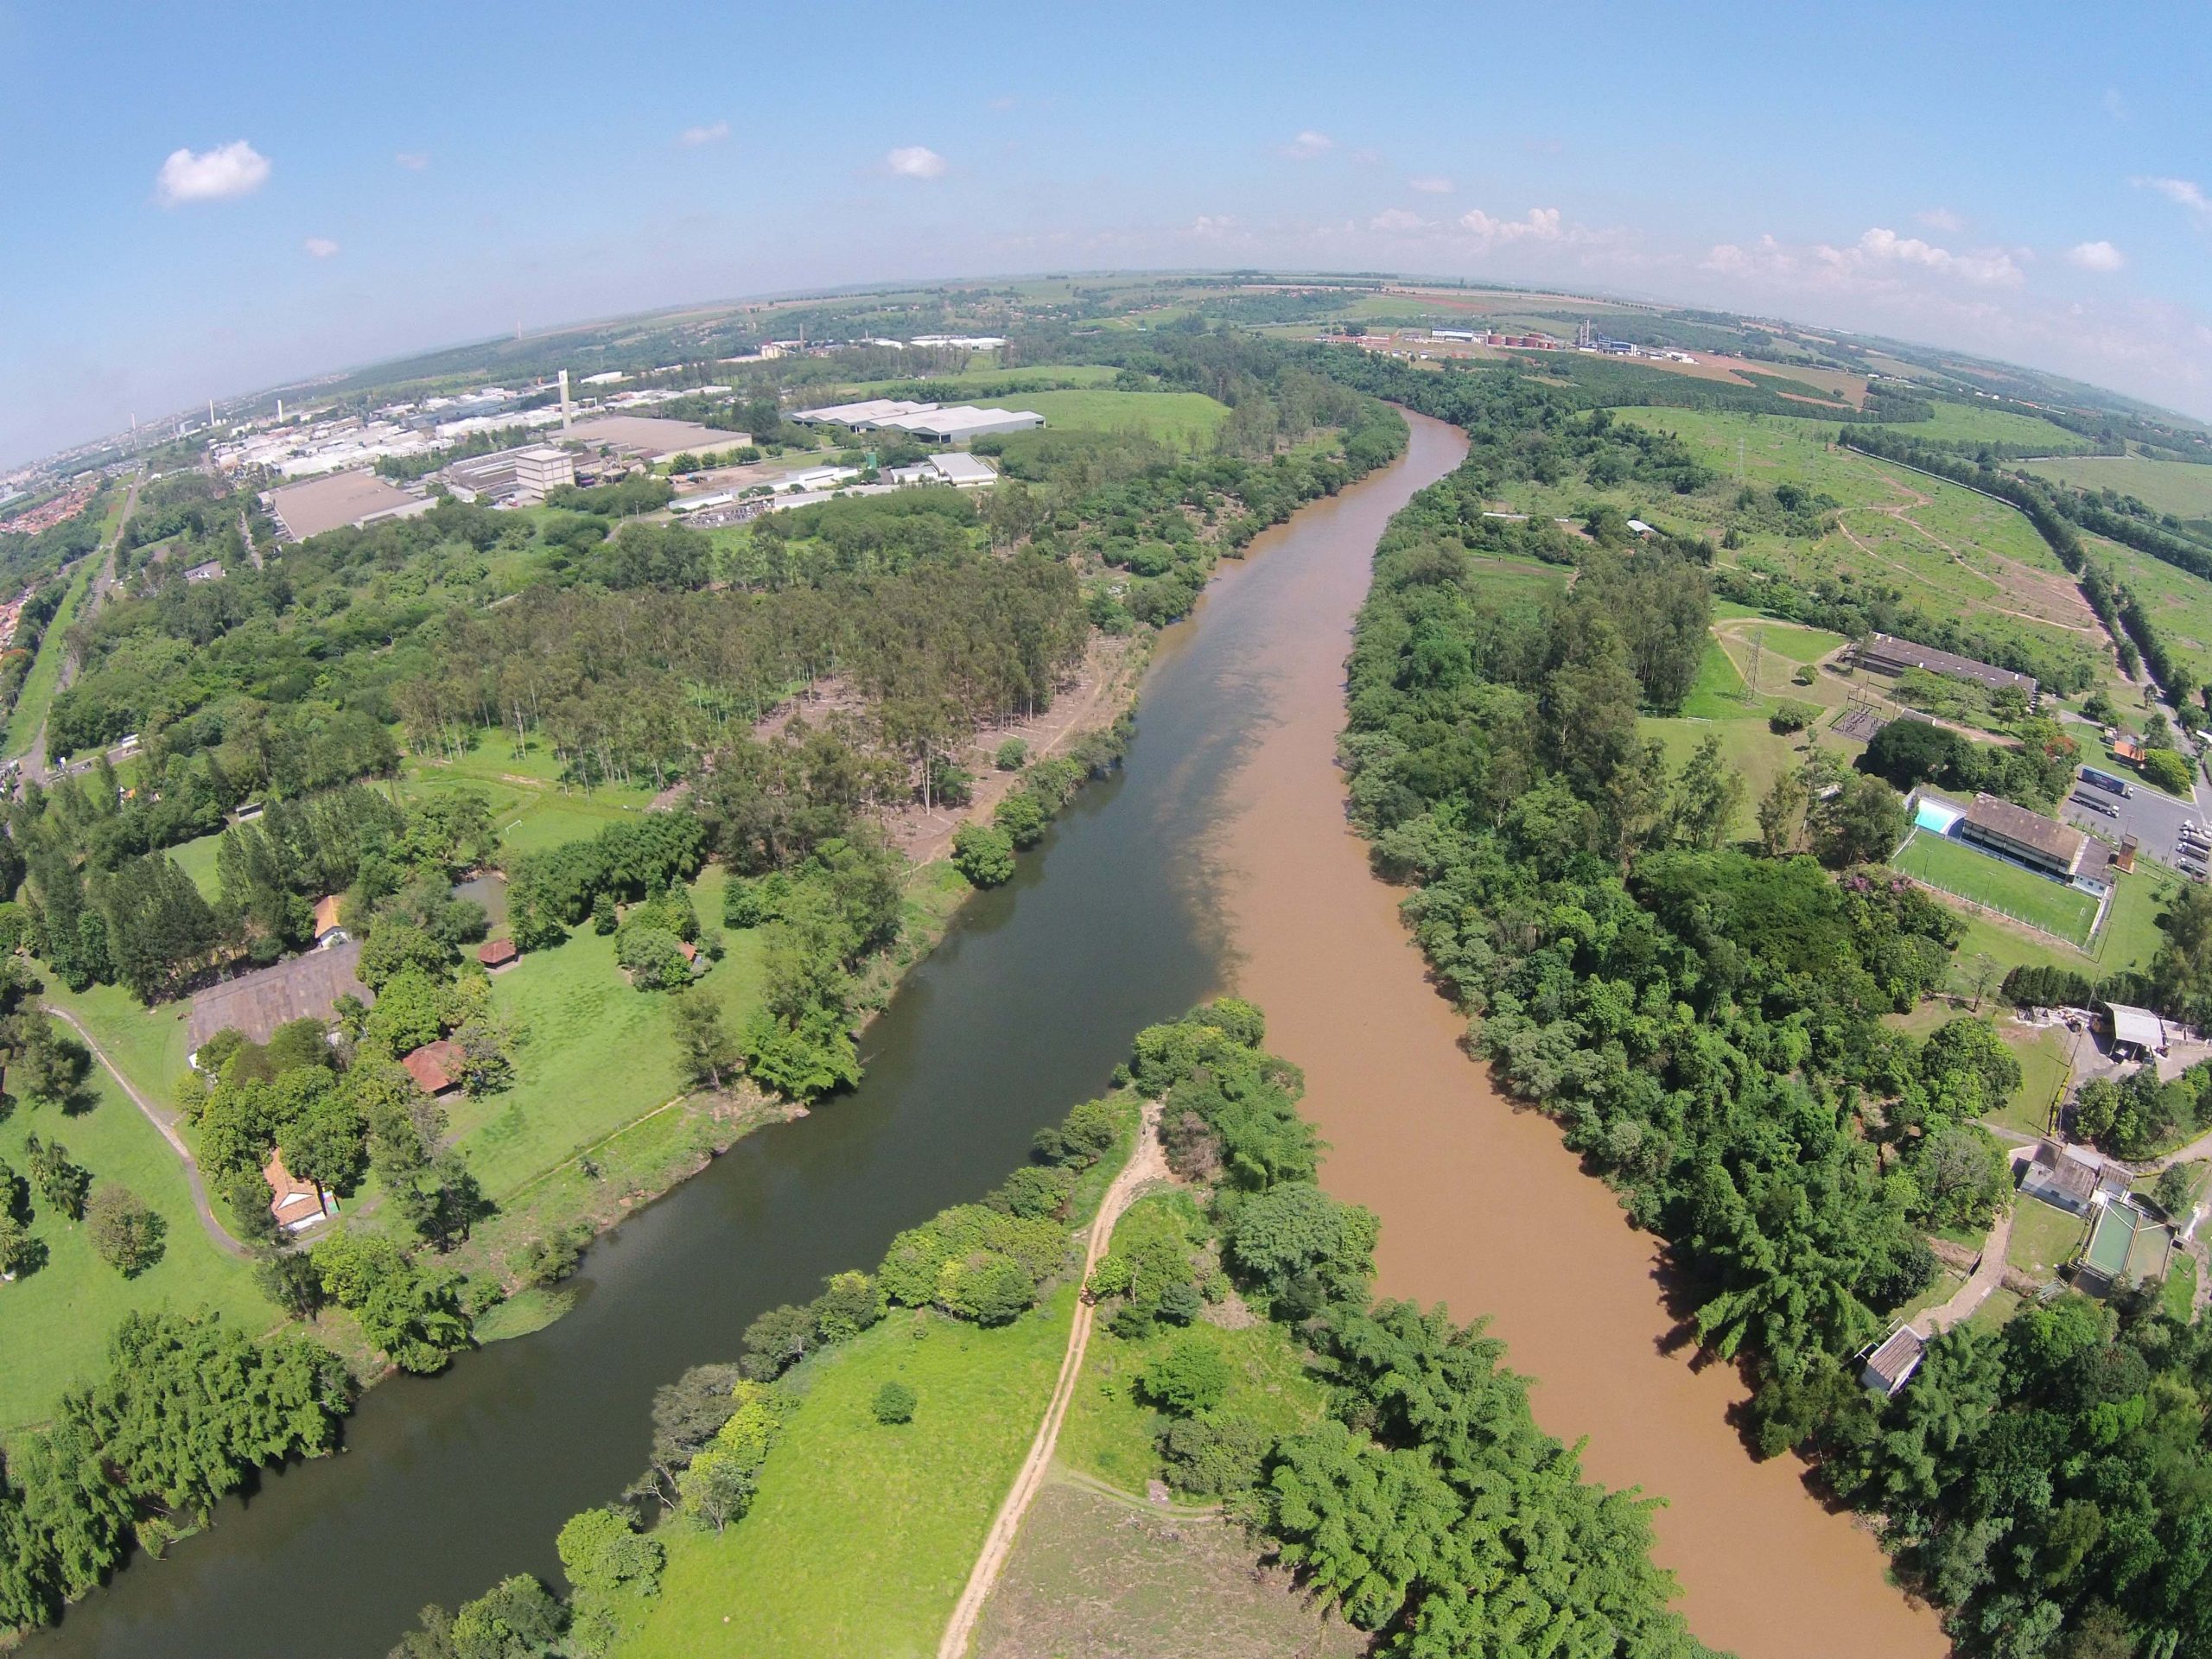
541	469
962	422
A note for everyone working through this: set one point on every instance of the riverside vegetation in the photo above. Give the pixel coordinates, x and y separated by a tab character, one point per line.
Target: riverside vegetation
1704	1021
635	657
1423	1501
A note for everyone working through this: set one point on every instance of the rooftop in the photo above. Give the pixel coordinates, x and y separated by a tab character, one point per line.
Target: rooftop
2016	823
2139	1027
437	1066
309	509
306	987
1882	648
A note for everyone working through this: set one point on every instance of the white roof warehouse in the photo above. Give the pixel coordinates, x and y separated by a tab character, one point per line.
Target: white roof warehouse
932	422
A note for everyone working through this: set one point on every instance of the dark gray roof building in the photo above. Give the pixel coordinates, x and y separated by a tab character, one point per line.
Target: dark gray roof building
1886	654
305	987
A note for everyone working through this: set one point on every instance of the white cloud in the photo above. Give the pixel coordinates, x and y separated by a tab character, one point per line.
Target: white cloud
2095	256
1940	219
236	170
413	160
1880	260
320	247
1542	225
1213	224
1307	145
708	132
915	162
1396	221
2183	193
1433	185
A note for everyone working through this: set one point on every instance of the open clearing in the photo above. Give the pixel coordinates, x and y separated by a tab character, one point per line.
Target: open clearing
1098	1577
2020	893
2044	1238
2180	604
1189	417
54	1323
532	808
863	1534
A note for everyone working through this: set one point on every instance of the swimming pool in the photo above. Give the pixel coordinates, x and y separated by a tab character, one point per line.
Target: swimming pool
1934	815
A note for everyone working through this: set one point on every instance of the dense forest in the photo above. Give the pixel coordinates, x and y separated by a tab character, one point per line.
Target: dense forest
1704	1020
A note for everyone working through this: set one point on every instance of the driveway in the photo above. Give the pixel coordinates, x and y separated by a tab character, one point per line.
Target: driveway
2154	819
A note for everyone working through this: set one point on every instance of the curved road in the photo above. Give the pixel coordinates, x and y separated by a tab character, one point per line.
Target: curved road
154	1115
1147	1162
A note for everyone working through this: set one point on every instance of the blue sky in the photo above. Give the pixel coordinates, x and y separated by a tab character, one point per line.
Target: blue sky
203	201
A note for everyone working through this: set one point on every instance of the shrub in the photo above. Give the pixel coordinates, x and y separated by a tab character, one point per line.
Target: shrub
983	855
653	956
1012	755
1217	1454
1032	1193
1790	717
2168	770
894	1403
1022	818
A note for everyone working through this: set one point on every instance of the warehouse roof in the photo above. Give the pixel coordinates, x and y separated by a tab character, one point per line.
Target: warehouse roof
1886	651
305	987
358	498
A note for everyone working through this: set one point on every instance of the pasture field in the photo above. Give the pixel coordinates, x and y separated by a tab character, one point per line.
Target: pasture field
1942	862
43	683
532	809
2180	604
55	1321
1974	423
962	388
1095	1576
2176	487
863	1534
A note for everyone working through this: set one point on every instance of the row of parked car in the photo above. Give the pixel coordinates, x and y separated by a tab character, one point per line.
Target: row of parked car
2195	848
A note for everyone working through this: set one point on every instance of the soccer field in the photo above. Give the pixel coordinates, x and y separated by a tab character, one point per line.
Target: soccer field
2020	893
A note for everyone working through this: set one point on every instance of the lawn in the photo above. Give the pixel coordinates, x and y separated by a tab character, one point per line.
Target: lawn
592	1053
1971	423
196	858
532	808
2044	1067
1190	417
54	1323
1719	691
2044	1238
863	1535
1759	754
2175	487
2177	1292
2054	907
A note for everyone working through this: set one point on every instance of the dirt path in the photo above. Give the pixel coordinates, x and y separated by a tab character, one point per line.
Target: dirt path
154	1116
1988	1273
1148	1162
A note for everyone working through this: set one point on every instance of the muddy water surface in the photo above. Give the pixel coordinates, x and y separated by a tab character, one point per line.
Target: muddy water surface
1482	1206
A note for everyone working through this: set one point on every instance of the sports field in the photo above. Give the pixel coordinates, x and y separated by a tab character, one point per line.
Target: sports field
2004	887
2126	1244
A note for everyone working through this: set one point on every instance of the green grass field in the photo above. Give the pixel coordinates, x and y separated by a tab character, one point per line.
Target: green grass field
54	1323
2037	900
1971	423
2043	1067
2177	1292
43	683
530	805
2180	605
1189	417
2175	487
196	858
592	1053
863	1535
2044	1238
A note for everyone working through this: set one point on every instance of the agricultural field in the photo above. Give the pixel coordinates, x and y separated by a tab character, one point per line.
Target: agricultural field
1095	1576
55	1322
863	1534
2058	909
2175	487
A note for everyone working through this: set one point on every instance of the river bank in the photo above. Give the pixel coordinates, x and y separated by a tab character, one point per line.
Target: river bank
1483	1207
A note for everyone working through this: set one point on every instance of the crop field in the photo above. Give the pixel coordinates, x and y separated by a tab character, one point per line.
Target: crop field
55	1322
2175	487
2007	888
863	1534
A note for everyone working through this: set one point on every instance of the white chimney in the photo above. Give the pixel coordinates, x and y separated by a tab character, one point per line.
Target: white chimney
565	400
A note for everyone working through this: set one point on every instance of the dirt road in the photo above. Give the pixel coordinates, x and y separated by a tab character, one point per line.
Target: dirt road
1148	1162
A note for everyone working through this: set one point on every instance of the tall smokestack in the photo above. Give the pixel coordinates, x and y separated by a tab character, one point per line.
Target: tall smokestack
565	400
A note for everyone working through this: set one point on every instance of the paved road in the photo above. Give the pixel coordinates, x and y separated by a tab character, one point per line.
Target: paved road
1147	1162
161	1120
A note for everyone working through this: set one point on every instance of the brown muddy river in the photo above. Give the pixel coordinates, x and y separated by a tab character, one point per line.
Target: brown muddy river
1482	1206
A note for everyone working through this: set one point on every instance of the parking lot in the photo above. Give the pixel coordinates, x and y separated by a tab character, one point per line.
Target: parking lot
2154	818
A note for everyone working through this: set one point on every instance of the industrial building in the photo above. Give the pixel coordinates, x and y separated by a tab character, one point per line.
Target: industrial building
651	438
1885	654
357	498
2028	837
540	470
931	422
